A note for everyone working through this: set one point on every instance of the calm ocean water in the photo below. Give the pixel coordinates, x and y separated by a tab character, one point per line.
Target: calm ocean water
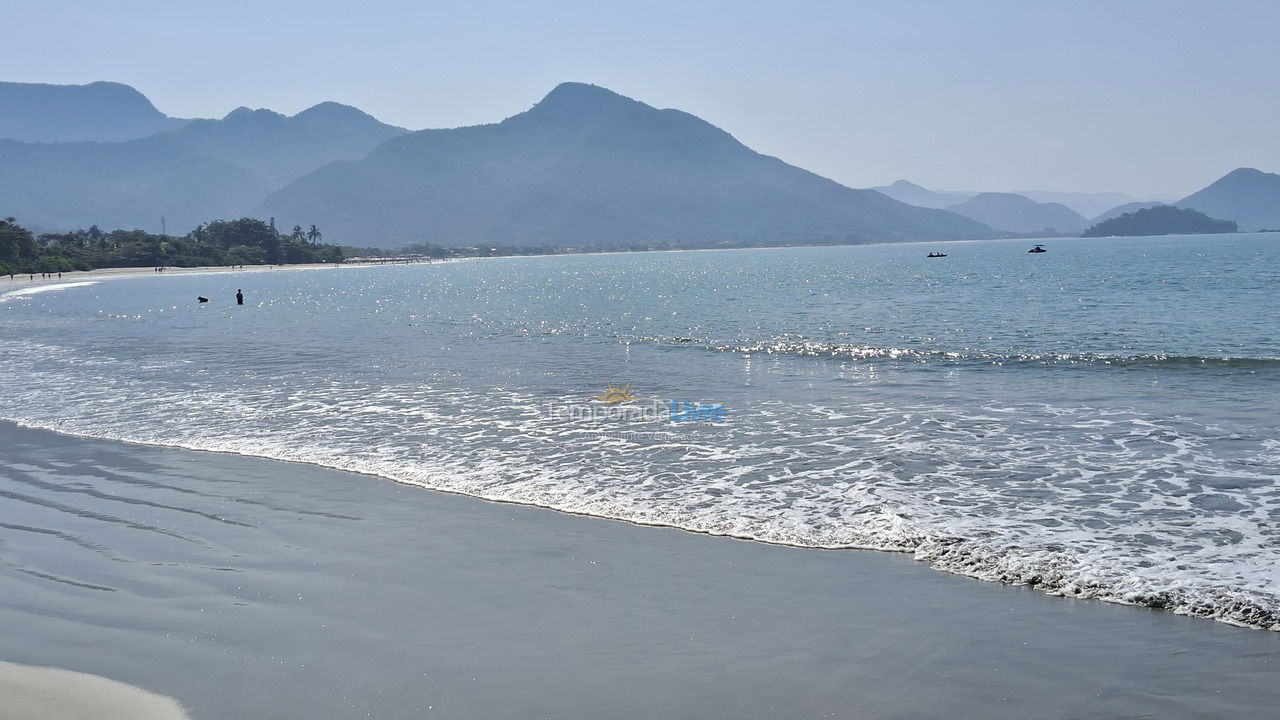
1099	420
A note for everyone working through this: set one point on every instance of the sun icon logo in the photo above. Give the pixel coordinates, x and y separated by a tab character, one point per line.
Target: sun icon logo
616	395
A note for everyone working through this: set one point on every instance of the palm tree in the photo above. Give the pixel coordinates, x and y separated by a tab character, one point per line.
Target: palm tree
314	235
297	233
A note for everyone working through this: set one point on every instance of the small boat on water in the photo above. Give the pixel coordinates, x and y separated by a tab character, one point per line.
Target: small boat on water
1037	249
937	254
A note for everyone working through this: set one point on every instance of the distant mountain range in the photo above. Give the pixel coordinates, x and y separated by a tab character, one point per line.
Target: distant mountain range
203	170
913	194
58	186
1247	196
588	166
100	111
584	166
1033	212
1085	204
279	148
1019	214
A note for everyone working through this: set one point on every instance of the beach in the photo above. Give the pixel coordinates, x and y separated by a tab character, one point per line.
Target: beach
100	273
250	588
671	363
22	280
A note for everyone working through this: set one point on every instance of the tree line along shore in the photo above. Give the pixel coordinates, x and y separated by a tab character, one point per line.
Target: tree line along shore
249	241
246	241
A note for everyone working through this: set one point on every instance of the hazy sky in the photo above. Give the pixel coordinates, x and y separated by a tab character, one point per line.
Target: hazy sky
1149	98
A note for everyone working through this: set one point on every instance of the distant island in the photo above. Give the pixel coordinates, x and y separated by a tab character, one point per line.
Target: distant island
246	241
1161	220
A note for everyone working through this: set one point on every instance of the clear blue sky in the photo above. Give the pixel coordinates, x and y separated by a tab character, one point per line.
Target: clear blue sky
1149	98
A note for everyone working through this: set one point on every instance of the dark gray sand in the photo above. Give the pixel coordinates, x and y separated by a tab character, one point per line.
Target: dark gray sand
247	588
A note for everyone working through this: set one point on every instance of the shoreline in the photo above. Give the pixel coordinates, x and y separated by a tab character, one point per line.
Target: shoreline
1185	610
24	280
104	273
323	593
1239	613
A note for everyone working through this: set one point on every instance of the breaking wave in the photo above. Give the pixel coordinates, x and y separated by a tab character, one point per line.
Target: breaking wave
1109	504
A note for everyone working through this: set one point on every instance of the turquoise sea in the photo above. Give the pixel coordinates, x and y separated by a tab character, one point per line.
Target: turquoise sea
1099	420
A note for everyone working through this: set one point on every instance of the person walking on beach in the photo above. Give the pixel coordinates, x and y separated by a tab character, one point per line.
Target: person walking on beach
239	297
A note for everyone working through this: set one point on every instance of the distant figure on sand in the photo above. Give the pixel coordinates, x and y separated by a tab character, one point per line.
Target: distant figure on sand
239	297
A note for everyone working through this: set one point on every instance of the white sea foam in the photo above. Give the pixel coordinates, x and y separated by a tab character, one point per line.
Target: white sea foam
1106	503
26	292
43	693
1055	427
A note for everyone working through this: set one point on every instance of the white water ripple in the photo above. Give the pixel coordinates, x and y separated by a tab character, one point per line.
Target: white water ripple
1105	503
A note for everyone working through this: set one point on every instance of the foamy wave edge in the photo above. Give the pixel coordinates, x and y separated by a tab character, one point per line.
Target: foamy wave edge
1054	572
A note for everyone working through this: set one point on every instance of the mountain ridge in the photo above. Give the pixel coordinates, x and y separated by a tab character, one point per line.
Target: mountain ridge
1246	195
587	165
624	171
913	194
1010	212
99	111
201	170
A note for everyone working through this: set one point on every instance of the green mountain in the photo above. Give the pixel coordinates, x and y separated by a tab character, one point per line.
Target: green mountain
1161	220
99	111
1248	196
586	166
1013	213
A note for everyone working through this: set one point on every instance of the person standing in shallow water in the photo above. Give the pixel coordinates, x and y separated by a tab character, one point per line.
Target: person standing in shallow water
239	297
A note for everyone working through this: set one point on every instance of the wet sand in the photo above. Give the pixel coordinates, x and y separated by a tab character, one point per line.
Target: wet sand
249	588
